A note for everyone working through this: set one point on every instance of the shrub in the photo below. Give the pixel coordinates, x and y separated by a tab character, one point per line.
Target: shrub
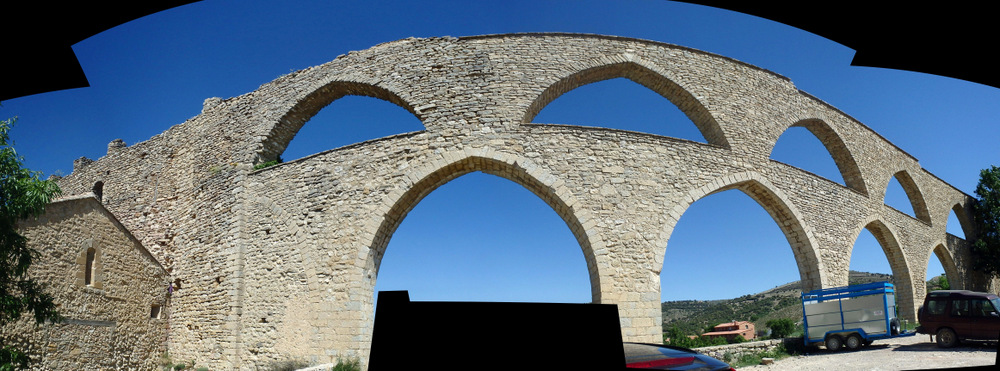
268	164
781	327
352	364
750	359
287	365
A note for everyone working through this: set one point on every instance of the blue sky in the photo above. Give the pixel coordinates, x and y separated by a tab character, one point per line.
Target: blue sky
457	244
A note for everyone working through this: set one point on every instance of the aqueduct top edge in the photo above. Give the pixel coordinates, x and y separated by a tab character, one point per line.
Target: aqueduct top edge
620	38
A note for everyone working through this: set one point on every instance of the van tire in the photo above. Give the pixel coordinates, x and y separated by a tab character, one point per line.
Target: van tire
946	337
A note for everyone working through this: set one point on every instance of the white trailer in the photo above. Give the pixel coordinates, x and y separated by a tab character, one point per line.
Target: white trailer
850	316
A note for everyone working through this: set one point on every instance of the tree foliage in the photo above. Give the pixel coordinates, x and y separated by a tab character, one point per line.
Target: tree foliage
22	195
781	327
676	337
986	212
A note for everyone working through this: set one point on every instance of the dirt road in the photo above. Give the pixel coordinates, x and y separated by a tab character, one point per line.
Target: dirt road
905	353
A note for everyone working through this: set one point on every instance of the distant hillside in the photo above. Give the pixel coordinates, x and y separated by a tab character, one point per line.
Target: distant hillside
694	316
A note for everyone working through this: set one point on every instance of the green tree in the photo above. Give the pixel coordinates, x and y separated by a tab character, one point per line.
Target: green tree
943	282
781	327
22	195
986	212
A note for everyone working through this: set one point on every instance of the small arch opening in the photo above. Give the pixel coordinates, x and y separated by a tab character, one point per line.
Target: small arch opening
813	145
958	223
937	278
98	190
89	266
642	74
622	104
895	197
277	139
348	120
903	195
800	148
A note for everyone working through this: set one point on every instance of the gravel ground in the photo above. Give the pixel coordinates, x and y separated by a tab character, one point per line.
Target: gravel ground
905	353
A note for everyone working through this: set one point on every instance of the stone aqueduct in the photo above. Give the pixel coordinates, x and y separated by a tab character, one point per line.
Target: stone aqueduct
281	262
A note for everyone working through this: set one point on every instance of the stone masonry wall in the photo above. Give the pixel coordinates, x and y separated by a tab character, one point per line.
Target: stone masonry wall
109	323
280	263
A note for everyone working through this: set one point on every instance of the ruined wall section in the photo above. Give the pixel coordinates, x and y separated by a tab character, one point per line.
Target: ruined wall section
176	192
117	320
167	191
140	185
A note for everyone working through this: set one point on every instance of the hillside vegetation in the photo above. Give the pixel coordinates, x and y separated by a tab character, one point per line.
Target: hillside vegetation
694	317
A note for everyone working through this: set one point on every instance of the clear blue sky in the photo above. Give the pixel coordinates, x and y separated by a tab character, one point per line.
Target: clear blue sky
458	244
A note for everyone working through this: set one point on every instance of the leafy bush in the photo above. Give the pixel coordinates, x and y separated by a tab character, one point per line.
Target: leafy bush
352	364
268	164
287	365
781	327
678	338
750	359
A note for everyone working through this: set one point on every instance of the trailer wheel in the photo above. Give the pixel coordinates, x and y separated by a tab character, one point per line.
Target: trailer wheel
833	343
853	342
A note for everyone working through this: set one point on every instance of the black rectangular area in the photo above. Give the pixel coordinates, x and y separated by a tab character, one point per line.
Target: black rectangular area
494	335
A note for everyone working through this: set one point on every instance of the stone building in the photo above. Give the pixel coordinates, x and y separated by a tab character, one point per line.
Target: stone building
731	330
110	289
280	263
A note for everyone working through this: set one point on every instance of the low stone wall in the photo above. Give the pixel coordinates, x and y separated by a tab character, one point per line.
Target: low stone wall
737	350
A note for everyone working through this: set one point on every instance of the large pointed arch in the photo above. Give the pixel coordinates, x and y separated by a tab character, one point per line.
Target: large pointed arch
520	171
639	71
906	291
278	137
914	195
842	156
785	214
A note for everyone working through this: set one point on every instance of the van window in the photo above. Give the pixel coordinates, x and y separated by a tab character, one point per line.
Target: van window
980	308
960	307
936	307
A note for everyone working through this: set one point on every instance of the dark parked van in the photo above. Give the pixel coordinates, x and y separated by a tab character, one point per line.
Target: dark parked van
956	315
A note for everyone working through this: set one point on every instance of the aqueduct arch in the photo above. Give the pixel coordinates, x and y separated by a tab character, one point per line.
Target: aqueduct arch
305	107
642	73
964	220
950	268
842	156
914	195
906	287
783	213
280	262
517	170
